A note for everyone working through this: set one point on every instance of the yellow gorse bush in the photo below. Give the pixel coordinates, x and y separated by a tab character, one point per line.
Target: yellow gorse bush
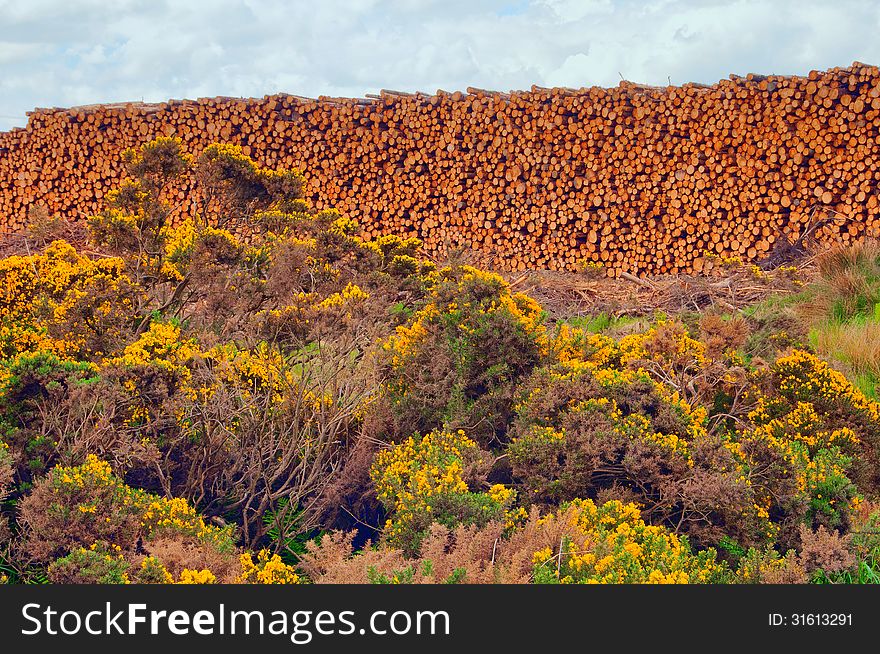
791	420
160	345
666	345
95	493
802	424
403	343
352	293
418	469
93	489
797	418
525	314
38	295
180	516
421	479
267	569
801	375
611	544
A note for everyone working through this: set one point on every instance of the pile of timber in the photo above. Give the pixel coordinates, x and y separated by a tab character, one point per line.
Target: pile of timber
645	180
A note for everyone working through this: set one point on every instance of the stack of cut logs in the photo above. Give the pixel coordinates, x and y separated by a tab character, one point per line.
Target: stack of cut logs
644	180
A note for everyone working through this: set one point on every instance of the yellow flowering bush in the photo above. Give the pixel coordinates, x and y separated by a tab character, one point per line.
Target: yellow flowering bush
81	505
136	221
577	345
586	427
160	345
801	376
162	515
665	348
240	187
794	481
813	435
351	294
179	244
187	245
62	302
152	371
88	503
398	256
457	359
259	369
611	544
267	569
792	458
100	564
422	480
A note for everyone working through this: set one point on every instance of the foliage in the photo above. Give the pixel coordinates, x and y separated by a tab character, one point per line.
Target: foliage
80	505
421	481
267	569
612	544
609	421
244	392
842	311
61	302
458	360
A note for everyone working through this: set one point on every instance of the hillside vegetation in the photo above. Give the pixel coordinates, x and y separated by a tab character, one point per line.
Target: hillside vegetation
255	394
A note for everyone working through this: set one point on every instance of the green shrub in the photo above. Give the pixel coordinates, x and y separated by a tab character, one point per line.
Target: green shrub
90	566
422	481
458	361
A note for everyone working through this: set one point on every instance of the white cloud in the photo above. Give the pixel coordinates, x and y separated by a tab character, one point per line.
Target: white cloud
59	53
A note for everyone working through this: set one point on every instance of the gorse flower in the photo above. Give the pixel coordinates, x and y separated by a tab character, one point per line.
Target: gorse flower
267	569
188	576
612	544
421	481
61	302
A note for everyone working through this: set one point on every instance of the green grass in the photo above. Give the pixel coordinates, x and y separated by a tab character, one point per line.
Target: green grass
854	342
867	572
777	303
839	313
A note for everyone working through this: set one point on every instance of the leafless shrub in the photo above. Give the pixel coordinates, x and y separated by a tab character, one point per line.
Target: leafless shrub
270	450
179	553
90	419
826	550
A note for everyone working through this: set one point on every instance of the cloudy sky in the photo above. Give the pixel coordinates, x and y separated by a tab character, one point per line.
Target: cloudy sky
70	52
